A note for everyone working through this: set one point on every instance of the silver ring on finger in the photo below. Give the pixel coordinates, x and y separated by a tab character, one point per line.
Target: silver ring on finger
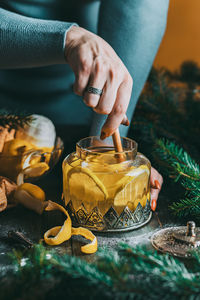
93	90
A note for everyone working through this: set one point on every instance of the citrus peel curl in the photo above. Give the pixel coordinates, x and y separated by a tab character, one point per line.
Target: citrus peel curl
31	196
63	233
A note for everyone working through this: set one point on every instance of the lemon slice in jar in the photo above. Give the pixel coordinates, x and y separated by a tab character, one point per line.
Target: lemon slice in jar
85	186
36	170
131	188
106	162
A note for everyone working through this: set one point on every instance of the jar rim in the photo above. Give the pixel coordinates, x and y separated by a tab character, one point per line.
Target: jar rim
91	151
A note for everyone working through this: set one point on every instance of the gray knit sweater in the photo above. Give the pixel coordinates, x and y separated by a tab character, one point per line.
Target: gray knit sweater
33	73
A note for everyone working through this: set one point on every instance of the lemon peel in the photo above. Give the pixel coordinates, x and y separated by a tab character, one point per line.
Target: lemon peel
34	190
63	233
31	196
89	248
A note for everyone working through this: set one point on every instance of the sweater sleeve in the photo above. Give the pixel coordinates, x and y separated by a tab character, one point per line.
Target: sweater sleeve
28	42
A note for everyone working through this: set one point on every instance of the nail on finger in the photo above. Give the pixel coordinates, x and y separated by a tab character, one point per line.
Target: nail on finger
103	135
125	121
153	204
157	184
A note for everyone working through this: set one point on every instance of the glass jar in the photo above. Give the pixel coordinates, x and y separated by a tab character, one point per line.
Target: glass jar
103	192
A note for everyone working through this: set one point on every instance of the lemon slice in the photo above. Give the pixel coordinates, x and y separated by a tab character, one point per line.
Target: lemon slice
84	185
106	162
131	189
36	170
104	158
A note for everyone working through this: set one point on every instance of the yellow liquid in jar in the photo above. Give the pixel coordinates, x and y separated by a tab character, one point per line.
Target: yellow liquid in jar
102	182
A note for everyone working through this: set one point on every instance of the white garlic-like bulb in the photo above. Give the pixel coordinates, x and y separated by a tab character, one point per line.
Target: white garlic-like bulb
40	132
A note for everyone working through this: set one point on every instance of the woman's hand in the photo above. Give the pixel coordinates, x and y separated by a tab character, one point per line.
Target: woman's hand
156	182
96	64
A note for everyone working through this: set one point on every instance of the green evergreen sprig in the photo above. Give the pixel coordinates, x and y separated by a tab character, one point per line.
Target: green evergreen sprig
125	273
180	166
169	108
179	162
14	120
41	272
190	206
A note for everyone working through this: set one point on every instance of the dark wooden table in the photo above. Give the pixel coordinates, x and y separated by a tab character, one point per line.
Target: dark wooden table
34	226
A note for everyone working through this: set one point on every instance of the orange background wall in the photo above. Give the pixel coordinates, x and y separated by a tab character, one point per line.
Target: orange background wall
182	38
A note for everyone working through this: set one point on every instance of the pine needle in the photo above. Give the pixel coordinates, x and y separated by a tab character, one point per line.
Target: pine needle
122	273
167	116
14	120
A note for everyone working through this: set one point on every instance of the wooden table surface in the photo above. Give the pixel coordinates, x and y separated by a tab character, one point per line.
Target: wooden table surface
34	226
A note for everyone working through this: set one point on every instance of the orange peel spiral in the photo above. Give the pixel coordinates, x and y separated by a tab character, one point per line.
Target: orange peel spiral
60	234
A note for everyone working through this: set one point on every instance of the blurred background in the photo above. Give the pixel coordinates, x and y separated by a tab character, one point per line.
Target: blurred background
182	37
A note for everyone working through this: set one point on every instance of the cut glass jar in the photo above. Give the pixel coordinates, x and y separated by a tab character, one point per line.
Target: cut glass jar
103	194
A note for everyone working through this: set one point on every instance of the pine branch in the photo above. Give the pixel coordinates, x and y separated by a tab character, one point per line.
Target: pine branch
180	163
40	272
170	108
187	207
41	257
190	206
14	120
168	273
123	273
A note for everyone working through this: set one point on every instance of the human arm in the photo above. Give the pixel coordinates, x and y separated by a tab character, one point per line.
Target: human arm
29	42
134	29
131	32
96	64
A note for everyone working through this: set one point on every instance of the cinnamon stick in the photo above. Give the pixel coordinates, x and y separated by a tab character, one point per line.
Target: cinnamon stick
118	146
